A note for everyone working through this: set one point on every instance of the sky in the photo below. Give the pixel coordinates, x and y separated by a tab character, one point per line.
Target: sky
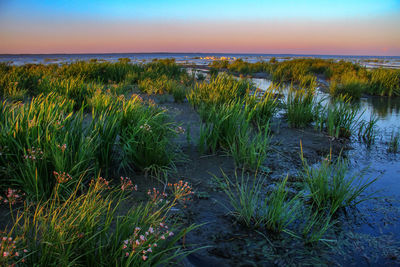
340	27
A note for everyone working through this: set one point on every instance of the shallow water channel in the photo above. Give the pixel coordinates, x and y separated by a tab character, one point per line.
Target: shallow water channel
377	223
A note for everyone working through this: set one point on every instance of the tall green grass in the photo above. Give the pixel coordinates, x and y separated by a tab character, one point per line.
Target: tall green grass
250	149
331	187
42	137
393	144
221	126
262	106
342	118
220	90
146	138
300	107
367	129
93	228
250	206
346	78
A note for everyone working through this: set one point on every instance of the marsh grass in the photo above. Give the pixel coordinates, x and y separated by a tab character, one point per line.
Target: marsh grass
332	188
220	90
105	128
342	118
367	130
249	150
350	88
315	227
249	205
92	229
262	106
42	137
221	126
146	139
300	107
393	144
179	93
346	78
244	196
278	211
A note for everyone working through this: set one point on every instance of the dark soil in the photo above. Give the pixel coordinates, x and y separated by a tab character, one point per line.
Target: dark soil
226	241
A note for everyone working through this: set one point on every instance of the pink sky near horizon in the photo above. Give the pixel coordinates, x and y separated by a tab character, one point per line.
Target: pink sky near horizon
351	36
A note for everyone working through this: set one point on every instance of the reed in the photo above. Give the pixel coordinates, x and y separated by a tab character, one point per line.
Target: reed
44	137
221	126
222	89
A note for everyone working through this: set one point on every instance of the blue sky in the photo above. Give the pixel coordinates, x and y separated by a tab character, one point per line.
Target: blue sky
206	9
301	26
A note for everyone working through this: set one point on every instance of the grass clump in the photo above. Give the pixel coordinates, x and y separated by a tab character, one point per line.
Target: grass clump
220	90
262	106
393	144
367	129
43	137
352	88
221	126
92	229
342	118
250	206
249	150
145	138
228	128
300	107
330	186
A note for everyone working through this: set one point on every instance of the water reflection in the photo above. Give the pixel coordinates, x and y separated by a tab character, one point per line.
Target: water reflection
387	109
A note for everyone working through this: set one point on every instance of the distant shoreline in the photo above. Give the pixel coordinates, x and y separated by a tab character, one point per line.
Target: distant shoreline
203	53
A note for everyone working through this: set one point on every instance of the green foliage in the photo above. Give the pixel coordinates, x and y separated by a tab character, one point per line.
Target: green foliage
92	229
346	78
262	106
42	137
300	107
222	89
251	207
384	82
221	126
250	150
367	131
239	66
393	144
330	186
342	118
145	138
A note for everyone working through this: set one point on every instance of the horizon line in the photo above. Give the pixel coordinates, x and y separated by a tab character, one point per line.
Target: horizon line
222	53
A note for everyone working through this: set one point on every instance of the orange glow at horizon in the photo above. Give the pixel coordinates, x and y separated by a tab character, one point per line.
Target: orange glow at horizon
352	36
